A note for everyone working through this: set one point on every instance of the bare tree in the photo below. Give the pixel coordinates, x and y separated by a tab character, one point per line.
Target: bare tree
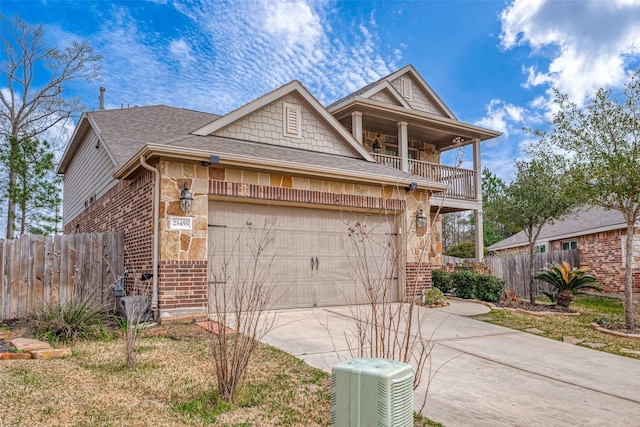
31	104
384	327
240	295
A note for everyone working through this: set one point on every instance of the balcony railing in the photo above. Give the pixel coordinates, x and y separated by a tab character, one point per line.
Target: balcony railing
462	181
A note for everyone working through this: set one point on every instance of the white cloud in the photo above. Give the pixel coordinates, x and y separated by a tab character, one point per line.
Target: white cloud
181	50
296	23
503	117
588	43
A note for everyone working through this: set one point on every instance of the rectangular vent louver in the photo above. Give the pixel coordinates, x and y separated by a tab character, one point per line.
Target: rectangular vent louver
372	392
291	120
406	89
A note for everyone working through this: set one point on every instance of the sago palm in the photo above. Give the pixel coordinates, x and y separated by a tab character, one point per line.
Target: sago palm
567	281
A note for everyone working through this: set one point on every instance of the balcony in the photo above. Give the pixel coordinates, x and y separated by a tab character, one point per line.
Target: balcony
462	182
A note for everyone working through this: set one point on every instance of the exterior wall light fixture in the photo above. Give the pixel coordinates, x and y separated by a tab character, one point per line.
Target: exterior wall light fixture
186	199
421	219
376	145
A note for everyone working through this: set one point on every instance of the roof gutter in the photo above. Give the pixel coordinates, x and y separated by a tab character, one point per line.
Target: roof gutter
156	234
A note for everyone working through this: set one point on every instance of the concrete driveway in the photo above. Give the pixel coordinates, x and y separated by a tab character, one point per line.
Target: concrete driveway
488	375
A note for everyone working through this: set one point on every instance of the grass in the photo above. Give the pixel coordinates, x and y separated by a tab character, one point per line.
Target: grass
591	307
173	384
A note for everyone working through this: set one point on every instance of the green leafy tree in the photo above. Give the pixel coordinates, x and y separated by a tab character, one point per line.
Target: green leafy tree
463	250
538	195
493	189
33	76
602	142
36	189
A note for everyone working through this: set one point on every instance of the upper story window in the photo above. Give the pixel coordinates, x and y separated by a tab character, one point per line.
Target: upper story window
391	151
292	120
569	245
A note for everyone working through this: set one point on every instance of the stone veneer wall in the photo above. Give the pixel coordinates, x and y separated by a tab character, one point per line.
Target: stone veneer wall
128	207
182	275
242	184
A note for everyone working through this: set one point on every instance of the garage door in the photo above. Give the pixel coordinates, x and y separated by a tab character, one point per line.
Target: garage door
314	257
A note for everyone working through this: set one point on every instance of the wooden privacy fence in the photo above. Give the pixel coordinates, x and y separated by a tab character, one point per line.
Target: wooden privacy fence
515	268
49	269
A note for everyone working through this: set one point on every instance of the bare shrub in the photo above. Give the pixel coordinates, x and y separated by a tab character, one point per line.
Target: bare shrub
240	295
384	327
510	297
136	310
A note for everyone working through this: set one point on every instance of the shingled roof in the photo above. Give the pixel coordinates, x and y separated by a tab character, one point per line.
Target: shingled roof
585	220
126	131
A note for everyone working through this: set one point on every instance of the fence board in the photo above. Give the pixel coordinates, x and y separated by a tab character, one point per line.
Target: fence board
42	269
515	268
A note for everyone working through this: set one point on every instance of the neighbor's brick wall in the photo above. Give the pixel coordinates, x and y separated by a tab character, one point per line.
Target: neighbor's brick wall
126	207
602	253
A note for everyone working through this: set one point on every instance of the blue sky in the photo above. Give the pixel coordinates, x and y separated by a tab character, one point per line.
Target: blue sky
492	62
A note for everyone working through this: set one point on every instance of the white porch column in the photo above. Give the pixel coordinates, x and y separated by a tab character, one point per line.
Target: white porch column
356	125
403	145
477	167
479	235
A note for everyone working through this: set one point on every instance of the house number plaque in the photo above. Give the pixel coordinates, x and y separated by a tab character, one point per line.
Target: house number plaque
180	223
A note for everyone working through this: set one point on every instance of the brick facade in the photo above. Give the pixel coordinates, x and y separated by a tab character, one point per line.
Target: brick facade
126	207
182	271
602	253
418	278
184	285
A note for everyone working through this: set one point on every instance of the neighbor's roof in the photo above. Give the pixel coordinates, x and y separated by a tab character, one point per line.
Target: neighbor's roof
585	220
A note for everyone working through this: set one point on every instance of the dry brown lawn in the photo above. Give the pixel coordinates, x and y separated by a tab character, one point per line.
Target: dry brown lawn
173	384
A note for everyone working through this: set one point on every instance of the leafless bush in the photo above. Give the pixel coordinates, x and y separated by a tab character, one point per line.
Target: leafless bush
136	311
384	327
510	297
240	296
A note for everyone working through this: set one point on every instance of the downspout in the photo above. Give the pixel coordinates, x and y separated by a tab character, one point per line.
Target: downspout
156	234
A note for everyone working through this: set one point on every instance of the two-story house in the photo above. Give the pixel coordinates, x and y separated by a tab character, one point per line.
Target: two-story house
351	193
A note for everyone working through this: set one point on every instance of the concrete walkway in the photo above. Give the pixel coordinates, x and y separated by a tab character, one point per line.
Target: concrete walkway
487	375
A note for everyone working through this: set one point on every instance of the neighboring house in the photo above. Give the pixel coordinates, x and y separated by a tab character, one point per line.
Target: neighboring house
598	234
312	171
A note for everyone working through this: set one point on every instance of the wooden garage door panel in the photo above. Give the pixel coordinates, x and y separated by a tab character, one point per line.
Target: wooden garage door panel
311	255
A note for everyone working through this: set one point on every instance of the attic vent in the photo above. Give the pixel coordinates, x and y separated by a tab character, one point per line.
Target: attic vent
406	88
292	120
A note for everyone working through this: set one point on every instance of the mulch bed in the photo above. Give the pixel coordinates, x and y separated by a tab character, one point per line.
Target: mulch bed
537	308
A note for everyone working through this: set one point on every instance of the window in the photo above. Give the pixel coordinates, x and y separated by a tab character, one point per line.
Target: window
291	119
569	245
391	150
540	249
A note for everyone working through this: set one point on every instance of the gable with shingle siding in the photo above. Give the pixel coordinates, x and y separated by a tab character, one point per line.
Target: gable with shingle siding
385	96
419	99
267	125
